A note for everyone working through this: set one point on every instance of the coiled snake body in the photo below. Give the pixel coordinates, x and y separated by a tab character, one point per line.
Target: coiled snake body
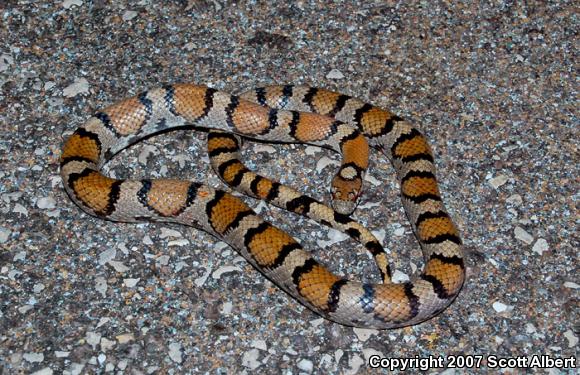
272	114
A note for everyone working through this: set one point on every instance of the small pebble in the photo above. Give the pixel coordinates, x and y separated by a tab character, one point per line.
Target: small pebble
107	255
33	357
67	4
107	344
46	203
334	236
501	307
258	147
60	354
129	283
250	359
79	86
400	277
335	74
44	371
572	338
225	269
175	352
355	363
101	285
4	234
324	162
259	344
521	234
514	199
369	352
167	232
305	365
118	266
129	15
125	338
363	334
540	246
571	285
93	338
498	181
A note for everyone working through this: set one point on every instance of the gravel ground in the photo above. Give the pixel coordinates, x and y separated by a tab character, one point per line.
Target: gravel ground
492	84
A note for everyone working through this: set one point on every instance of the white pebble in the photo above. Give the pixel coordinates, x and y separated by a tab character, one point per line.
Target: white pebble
175	352
47	203
202	279
264	148
145	152
93	338
571	337
5	61
79	86
102	321
163	260
363	334
379	234
44	371
129	15
501	307
118	266
101	285
369	352
530	328
324	162
250	359
180	242
306	365
372	180
76	368
225	269
101	358
334	236
355	363
316	322
312	150
400	277
67	4
107	344
167	232
107	255
147	240
540	246
571	285
498	181
335	74
227	308
20	209
122	365
523	236
33	357
129	283
37	288
4	235
259	344
338	355
399	232
514	199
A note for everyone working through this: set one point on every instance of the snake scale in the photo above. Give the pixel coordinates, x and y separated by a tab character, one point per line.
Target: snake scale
281	114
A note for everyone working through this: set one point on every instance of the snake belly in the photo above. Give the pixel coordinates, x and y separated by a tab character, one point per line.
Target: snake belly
272	251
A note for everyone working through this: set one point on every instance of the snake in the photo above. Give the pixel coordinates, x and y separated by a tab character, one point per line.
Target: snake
296	114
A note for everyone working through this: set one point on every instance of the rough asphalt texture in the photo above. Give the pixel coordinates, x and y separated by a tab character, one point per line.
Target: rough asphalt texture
493	85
